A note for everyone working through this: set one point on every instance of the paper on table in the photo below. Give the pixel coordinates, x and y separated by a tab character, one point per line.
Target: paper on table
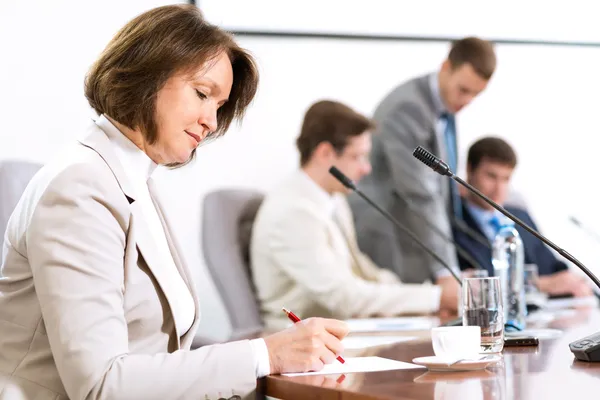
360	364
392	324
362	342
558	304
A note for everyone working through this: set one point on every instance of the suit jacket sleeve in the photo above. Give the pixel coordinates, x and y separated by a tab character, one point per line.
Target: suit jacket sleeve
540	254
299	245
380	275
76	241
400	132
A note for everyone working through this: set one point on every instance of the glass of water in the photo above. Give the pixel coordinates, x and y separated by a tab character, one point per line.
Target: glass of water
469	273
531	278
482	306
533	295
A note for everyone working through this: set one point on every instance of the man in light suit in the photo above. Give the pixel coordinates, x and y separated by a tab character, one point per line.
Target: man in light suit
304	253
419	112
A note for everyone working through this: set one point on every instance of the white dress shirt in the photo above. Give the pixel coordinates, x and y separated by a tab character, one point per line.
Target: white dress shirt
139	168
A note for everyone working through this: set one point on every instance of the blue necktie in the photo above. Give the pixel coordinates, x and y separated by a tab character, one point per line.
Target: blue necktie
451	150
495	224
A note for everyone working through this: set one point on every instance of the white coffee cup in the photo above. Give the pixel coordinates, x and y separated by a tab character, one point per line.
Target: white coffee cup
456	342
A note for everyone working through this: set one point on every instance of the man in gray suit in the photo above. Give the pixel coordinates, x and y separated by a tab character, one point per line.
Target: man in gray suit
420	112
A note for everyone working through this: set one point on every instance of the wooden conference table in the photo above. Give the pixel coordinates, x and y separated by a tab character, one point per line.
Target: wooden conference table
548	371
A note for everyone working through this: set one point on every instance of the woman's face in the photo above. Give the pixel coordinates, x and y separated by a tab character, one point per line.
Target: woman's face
186	110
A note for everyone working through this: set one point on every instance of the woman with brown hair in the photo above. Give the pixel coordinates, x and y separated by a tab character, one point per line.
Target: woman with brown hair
95	301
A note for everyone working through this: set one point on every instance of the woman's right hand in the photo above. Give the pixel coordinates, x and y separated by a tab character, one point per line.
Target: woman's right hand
306	346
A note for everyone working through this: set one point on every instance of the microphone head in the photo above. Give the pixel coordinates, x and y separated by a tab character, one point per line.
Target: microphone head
427	158
344	180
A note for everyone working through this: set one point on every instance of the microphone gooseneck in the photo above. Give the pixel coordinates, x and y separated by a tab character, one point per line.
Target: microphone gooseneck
347	182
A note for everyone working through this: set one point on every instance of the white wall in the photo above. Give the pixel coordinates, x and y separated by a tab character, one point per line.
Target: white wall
508	19
542	99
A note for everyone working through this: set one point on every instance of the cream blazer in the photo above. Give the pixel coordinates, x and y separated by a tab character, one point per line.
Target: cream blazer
83	312
305	257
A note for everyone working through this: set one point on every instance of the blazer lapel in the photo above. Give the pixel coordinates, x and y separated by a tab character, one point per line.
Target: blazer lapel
98	141
147	247
478	250
432	114
470	221
346	227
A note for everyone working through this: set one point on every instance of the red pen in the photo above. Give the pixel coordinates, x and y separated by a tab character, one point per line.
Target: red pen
294	318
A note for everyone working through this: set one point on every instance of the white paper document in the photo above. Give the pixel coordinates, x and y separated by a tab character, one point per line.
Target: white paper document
558	304
360	364
363	342
392	324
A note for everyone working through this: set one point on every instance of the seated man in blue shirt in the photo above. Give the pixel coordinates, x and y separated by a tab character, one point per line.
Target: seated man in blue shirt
490	164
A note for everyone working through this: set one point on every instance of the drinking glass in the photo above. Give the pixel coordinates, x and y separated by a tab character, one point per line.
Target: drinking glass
534	298
482	306
469	273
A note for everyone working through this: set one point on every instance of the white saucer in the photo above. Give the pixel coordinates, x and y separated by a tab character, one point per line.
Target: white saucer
434	363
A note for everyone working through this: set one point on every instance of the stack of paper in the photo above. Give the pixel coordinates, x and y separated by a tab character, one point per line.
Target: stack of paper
363	342
392	324
558	304
360	364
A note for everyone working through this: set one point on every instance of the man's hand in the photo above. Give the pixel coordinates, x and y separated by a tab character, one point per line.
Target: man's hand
306	346
565	282
450	295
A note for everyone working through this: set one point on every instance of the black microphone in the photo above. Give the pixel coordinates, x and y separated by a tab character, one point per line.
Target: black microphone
459	249
586	349
347	182
590	232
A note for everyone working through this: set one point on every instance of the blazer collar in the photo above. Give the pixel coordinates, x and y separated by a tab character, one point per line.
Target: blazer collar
436	96
311	190
98	140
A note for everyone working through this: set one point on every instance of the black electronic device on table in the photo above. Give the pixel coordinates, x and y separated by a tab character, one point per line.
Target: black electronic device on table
586	349
521	341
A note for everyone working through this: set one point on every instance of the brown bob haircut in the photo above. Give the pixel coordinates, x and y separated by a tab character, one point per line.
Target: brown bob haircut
332	122
492	149
477	52
123	83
